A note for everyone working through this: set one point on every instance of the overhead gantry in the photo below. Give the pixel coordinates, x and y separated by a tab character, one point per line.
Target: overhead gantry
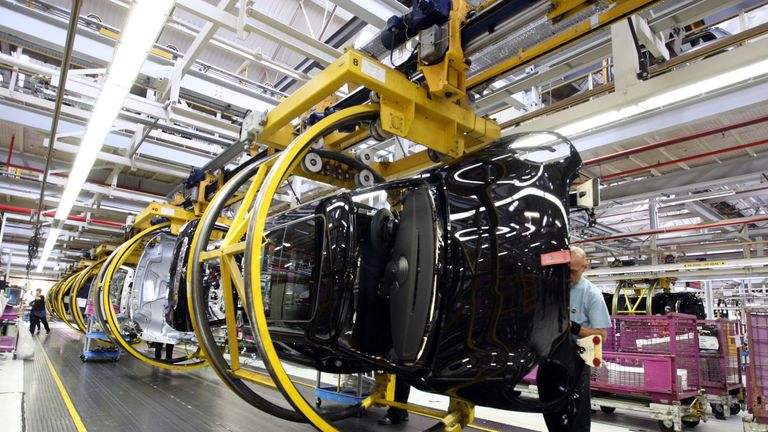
214	247
429	108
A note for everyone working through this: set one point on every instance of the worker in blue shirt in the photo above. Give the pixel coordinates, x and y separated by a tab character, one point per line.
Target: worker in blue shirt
589	317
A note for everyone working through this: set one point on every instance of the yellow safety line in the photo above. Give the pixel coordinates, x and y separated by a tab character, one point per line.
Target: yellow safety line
64	395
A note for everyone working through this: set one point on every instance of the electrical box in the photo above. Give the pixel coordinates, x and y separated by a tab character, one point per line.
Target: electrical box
587	194
433	43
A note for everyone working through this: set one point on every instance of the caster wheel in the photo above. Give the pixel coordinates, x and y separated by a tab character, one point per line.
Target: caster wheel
691	422
718	411
607	410
318	402
735	409
666	426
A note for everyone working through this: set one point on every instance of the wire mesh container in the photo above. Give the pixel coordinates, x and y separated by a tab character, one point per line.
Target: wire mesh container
757	372
652	356
719	343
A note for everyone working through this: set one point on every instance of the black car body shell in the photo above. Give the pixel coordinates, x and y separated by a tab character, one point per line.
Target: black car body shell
479	308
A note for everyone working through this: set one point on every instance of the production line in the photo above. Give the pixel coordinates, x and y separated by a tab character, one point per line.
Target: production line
402	226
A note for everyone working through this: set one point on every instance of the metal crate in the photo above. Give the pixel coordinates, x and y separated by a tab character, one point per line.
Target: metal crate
757	372
719	343
653	356
9	329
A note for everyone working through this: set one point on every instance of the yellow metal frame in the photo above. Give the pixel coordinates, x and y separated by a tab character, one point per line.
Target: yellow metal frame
74	308
460	413
121	255
230	246
50	296
625	288
559	9
448	79
62	312
104	250
175	214
406	109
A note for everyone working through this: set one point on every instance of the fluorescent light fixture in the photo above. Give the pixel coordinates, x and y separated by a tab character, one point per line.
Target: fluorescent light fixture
53	235
707	85
671	97
696	197
144	24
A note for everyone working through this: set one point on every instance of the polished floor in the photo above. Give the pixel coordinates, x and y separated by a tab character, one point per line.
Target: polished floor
132	396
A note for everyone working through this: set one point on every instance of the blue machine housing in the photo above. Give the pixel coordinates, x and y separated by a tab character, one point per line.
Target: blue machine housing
423	14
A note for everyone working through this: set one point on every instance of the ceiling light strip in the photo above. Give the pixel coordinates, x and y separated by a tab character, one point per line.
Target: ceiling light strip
145	21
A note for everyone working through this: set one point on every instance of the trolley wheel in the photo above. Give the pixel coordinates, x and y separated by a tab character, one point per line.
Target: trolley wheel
718	411
318	402
690	421
14	356
735	408
607	409
666	426
82	358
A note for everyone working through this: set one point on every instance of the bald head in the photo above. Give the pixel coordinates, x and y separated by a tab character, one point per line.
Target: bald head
578	264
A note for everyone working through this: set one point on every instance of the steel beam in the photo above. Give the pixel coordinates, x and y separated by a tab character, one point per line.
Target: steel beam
224	131
747	94
40	118
127	162
265	26
26	230
558	65
200	43
703	210
626	59
680	13
733	171
242	52
18	190
49	32
374	12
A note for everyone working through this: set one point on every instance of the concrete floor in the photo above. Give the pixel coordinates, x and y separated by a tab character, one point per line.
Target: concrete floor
131	395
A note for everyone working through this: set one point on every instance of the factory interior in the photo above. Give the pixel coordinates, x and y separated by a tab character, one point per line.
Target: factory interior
375	215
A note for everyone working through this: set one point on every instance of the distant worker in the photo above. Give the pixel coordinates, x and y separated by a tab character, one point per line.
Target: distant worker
38	313
589	317
159	350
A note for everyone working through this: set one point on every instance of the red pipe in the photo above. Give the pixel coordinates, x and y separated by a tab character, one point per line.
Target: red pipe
687	158
675	229
24	210
625	153
10	149
10	165
97	221
15	209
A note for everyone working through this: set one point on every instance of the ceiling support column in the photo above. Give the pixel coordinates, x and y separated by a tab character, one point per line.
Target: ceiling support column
709	300
653	216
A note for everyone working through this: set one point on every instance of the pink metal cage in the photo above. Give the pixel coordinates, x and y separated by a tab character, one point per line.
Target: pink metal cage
8	319
757	372
651	356
719	343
